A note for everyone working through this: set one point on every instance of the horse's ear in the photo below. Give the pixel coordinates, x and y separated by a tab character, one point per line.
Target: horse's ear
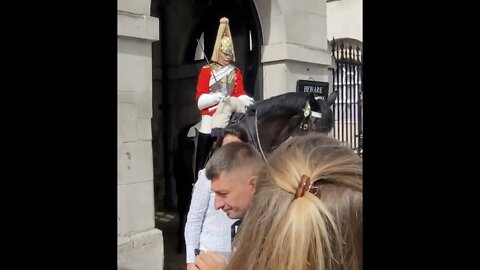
331	98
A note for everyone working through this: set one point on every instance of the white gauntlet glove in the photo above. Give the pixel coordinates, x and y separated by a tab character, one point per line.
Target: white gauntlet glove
207	100
246	100
220	95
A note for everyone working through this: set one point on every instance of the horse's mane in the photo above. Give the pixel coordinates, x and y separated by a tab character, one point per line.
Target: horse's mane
288	102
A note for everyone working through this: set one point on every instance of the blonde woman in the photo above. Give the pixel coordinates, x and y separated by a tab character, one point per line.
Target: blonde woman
306	212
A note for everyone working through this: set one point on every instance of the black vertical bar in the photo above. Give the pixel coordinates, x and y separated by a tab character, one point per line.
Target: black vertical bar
339	88
349	89
334	84
355	98
354	105
347	86
360	102
344	90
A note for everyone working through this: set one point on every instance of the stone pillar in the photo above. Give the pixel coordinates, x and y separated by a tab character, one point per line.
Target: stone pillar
344	19
140	245
295	43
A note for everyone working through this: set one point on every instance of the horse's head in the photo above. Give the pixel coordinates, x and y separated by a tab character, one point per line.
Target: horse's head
270	122
318	115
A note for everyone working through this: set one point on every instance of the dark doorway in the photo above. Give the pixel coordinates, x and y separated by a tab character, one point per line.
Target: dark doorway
176	63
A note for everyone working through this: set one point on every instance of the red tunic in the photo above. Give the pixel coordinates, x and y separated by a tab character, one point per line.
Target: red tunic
204	88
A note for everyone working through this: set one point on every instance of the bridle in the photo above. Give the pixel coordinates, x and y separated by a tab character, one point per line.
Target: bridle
254	137
251	138
307	114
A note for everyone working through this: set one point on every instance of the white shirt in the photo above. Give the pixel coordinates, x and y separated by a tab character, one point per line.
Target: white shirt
206	228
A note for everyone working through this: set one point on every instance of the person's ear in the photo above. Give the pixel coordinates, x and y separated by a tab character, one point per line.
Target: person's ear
252	183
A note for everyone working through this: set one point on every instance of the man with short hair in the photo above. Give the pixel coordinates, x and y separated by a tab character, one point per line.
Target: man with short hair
233	170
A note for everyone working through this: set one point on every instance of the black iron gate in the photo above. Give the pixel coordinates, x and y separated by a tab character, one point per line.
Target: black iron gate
347	79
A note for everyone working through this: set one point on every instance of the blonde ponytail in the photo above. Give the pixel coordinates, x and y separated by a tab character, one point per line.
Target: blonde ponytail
311	232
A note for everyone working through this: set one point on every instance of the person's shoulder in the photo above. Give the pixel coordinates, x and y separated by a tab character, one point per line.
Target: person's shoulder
202	174
201	178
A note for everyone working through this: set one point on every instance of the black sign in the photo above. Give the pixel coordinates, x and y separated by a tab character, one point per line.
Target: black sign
319	88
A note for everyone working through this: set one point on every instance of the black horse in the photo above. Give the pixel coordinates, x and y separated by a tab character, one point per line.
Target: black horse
272	121
268	123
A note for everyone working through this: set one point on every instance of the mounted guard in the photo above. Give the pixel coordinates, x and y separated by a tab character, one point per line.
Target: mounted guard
217	81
